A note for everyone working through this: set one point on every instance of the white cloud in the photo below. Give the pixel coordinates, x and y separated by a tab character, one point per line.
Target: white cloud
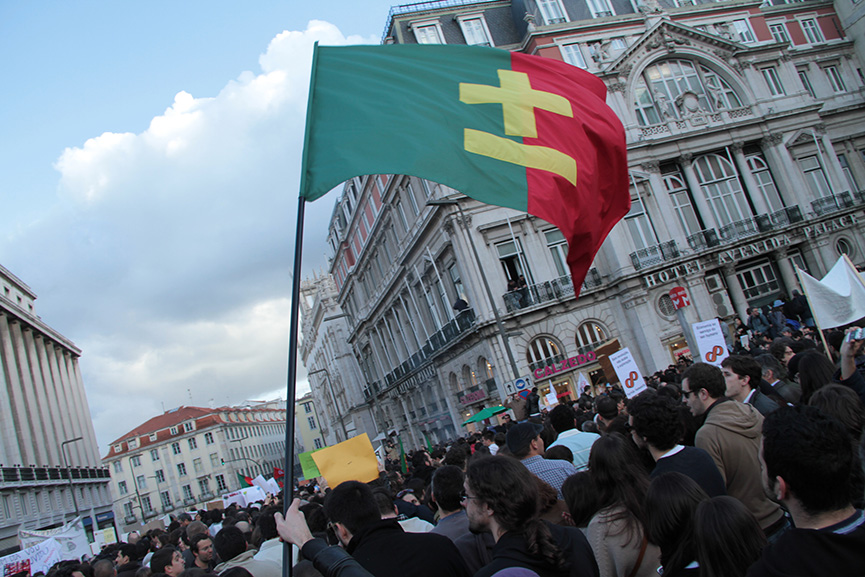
167	257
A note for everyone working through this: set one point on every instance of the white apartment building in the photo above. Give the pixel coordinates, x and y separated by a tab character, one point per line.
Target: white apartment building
49	461
185	457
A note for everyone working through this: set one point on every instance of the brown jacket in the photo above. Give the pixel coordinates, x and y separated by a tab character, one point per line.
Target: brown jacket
519	406
732	435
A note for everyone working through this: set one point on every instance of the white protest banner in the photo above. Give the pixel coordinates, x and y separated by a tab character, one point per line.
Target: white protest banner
39	557
628	372
260	483
710	342
272	486
551	399
253	494
71	537
582	383
235	497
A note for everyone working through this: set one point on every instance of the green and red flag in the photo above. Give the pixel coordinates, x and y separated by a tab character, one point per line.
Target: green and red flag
506	128
403	464
244	481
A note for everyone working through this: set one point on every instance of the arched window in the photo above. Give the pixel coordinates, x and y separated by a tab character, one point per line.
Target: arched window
658	89
453	382
722	188
544	351
470	378
590	334
485	369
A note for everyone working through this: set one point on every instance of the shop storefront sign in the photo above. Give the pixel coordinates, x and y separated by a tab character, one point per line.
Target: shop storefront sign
840	223
473	397
565	365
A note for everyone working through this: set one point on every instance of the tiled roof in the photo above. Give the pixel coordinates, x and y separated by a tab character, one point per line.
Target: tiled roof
162	424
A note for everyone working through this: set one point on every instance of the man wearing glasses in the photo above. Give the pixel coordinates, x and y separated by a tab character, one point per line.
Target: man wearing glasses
731	434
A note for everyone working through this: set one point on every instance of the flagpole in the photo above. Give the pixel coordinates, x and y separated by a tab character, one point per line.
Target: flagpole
811	306
291	379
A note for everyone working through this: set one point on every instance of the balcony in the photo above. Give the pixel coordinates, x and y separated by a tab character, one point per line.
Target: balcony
704	239
779	219
739	229
50	475
653	255
130	519
830	204
462	322
553	290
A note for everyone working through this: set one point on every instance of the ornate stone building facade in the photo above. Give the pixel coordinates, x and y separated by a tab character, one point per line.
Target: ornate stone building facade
746	153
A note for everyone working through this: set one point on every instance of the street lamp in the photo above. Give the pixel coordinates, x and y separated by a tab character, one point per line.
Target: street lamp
68	472
333	399
499	324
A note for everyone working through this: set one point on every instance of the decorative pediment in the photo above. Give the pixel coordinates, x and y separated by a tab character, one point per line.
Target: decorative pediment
670	37
805	136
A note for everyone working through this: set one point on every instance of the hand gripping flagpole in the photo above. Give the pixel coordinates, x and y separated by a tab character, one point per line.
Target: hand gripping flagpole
291	384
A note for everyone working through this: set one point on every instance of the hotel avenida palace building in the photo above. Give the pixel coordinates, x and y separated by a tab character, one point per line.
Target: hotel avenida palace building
745	123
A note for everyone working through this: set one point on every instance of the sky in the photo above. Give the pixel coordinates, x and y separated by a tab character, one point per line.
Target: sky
149	165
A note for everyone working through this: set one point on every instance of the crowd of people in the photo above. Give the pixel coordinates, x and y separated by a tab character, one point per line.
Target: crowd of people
751	468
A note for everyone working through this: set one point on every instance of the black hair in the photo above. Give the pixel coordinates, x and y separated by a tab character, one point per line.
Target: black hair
447	487
812	453
671	502
509	489
383	501
266	523
162	559
559	452
728	537
779	347
193	544
815	371
353	505
619	479
656	418
562	418
229	543
580	497
705	376
745	366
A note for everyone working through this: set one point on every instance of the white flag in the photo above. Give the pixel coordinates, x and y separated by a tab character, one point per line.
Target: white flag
839	298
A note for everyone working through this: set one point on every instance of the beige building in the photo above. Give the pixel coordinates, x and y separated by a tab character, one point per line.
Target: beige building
185	457
310	432
746	154
49	462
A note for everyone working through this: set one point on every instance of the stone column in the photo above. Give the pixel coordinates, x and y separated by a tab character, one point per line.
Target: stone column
667	212
448	397
73	405
751	187
788	274
29	428
408	423
783	168
46	417
61	418
706	212
833	166
10	451
735	292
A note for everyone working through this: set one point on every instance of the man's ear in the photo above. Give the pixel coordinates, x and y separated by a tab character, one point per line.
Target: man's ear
781	489
342	533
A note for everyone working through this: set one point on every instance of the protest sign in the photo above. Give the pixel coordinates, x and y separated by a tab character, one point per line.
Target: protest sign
351	460
628	372
710	342
38	558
